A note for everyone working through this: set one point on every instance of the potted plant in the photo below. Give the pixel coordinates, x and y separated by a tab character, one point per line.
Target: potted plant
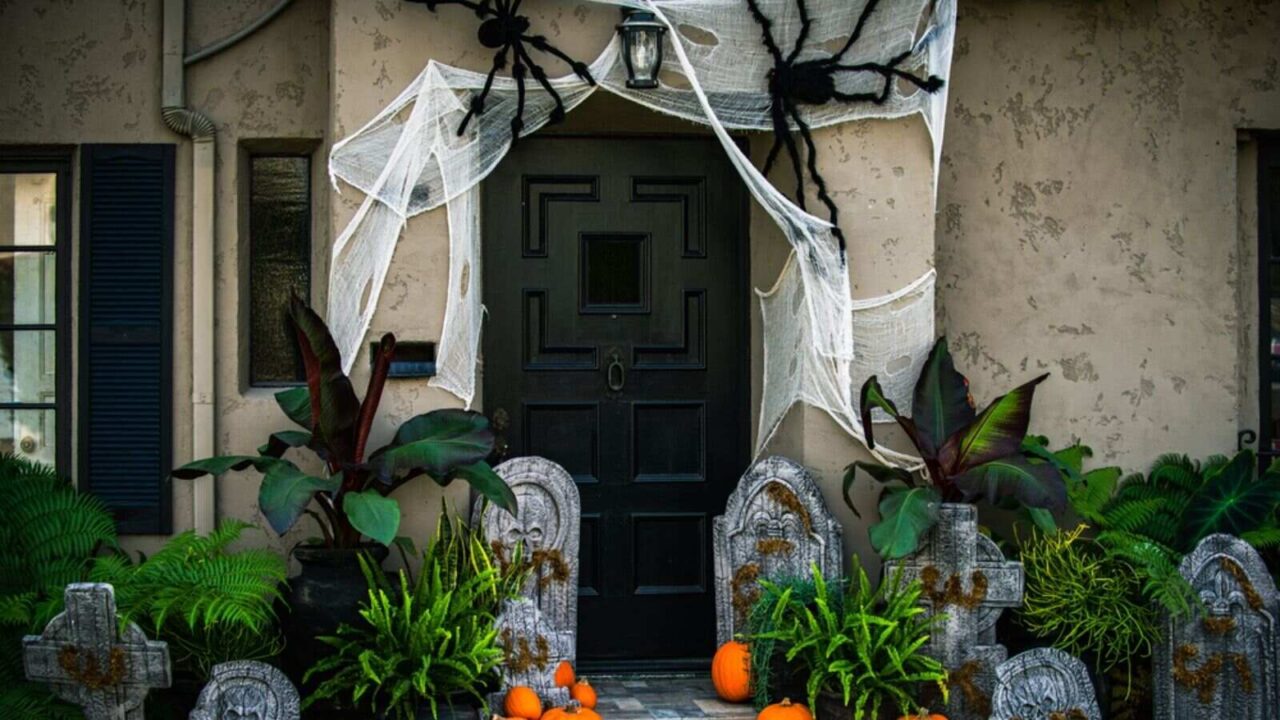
349	496
967	455
424	647
862	648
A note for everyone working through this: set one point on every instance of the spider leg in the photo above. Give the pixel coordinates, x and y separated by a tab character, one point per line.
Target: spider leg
580	69
478	100
479	8
767	26
793	151
540	75
517	122
775	149
806	24
818	180
857	29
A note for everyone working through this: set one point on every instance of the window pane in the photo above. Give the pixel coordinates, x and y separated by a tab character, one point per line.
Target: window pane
28	208
28	287
28	366
280	262
613	271
30	434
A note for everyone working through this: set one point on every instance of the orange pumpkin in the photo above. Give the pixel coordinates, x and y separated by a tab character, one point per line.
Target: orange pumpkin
575	711
523	702
584	693
731	672
555	713
564	674
924	714
785	710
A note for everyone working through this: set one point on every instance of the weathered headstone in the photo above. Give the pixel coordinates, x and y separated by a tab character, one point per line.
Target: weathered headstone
1044	684
775	525
89	661
534	649
547	523
247	690
968	580
1221	661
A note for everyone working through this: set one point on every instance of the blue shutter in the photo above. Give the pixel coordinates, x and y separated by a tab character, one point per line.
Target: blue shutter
126	318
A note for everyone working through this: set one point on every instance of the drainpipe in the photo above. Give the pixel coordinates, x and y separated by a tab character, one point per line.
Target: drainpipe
185	121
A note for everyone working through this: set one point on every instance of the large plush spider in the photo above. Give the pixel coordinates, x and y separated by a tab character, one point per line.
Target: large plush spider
504	29
813	82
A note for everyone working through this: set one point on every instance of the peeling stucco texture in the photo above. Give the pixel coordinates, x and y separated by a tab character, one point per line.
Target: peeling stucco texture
1087	213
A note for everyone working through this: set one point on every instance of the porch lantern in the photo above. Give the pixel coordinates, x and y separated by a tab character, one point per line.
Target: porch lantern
641	48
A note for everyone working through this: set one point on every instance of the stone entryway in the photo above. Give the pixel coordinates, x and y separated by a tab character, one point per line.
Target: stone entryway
642	697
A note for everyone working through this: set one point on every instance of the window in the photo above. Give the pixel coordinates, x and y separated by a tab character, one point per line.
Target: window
279	263
1269	292
34	267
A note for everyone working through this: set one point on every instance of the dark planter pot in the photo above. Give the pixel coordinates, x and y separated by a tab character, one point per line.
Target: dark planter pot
327	593
831	707
174	702
786	679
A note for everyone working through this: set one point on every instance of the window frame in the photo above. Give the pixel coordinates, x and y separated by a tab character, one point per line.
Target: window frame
59	160
253	151
1268	159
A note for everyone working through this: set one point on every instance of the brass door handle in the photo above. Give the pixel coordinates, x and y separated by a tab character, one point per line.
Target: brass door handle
615	376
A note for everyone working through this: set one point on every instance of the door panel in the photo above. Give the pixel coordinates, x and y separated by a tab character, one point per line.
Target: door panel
614	278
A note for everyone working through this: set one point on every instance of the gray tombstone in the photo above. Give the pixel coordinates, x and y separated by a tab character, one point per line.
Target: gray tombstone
1221	661
1044	684
534	649
547	523
247	690
775	525
968	580
91	662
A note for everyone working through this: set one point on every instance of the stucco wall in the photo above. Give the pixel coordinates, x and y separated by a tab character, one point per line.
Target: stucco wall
1088	212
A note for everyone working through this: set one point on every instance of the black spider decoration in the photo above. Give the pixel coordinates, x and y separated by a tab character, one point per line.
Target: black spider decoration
813	82
504	29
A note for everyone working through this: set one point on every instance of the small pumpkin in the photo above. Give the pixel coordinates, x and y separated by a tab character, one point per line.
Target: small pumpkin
785	710
575	711
584	693
731	672
564	674
523	702
924	714
555	713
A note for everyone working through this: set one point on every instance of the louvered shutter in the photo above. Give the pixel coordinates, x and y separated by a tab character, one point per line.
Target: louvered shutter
126	313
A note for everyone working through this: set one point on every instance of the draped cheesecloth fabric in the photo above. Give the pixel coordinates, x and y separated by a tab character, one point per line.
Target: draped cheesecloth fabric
819	344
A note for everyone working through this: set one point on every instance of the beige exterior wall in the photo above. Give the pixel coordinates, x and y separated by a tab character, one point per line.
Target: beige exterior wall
1089	220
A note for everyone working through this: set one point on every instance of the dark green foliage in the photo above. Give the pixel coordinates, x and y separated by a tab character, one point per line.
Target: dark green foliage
861	644
351	493
967	455
765	652
48	536
1086	601
1151	521
209	603
426	640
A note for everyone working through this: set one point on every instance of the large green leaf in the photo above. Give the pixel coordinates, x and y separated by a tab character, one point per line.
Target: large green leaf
906	514
286	491
880	473
333	399
1014	477
281	441
1231	501
372	514
436	442
221	464
296	405
1092	491
873	396
997	432
941	405
488	483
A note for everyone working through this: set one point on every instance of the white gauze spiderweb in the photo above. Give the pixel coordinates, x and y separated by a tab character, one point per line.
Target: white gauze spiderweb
410	159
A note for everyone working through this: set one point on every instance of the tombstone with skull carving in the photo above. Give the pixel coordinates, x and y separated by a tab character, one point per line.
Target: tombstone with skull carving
546	525
247	690
776	525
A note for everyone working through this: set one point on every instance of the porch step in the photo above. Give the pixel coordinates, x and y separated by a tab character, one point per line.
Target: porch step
670	697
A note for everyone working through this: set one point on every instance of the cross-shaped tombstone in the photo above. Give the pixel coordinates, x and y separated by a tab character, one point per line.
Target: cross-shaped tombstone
968	580
90	661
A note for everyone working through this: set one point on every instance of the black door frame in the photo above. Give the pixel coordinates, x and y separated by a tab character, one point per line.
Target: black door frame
742	376
1268	234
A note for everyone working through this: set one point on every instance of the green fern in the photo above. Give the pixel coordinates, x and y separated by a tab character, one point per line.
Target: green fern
759	622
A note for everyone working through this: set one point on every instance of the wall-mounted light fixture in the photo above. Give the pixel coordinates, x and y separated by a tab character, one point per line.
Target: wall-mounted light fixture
641	47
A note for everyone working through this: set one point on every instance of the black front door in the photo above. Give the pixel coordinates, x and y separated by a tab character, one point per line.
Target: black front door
616	346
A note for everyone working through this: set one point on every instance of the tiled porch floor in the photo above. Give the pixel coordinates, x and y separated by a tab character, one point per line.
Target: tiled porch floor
671	697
